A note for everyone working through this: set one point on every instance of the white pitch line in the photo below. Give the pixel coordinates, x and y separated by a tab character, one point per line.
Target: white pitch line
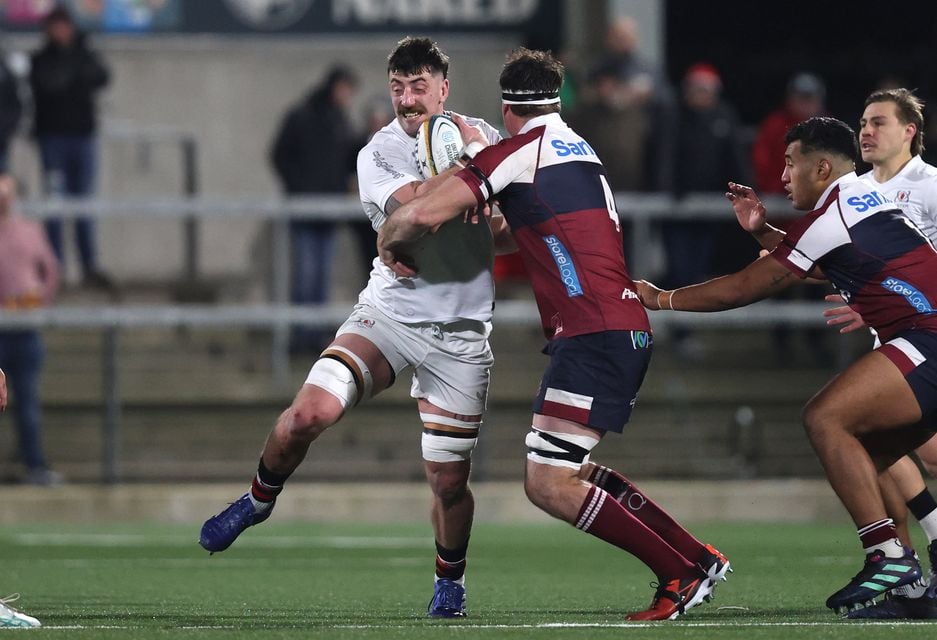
546	625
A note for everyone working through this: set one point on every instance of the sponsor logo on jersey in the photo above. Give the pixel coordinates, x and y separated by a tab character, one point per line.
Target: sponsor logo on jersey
381	163
367	323
903	196
580	148
629	294
565	266
914	297
866	201
641	339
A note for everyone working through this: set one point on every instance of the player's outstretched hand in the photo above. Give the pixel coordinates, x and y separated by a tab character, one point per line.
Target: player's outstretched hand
647	294
402	266
749	210
3	391
842	316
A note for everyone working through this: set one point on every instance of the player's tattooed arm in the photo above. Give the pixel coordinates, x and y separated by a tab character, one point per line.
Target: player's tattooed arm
392	205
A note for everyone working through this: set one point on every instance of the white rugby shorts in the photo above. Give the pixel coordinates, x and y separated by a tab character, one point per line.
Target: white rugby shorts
451	361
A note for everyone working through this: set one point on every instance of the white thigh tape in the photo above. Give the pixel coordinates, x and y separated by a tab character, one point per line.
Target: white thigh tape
357	365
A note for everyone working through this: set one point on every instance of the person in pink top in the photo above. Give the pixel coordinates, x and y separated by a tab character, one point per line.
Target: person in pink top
29	278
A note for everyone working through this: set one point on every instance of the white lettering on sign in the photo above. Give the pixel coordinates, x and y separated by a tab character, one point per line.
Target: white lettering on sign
467	12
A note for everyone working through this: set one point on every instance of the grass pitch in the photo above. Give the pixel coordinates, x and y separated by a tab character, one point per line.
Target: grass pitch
285	580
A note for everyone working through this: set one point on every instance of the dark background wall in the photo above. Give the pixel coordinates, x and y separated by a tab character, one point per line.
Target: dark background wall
853	45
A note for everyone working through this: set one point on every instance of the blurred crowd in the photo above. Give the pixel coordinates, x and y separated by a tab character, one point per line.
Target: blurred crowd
653	135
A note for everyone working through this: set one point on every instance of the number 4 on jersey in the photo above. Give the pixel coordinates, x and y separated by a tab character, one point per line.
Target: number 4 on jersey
610	203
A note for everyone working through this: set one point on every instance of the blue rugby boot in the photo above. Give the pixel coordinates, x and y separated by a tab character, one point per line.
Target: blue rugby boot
880	574
448	600
221	530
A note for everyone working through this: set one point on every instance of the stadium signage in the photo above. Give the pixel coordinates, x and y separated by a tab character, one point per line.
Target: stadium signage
541	17
420	12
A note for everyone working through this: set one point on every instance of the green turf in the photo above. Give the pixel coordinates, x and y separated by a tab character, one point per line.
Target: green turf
373	581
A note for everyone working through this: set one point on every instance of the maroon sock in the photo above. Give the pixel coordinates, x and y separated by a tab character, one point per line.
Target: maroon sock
877	533
605	518
648	512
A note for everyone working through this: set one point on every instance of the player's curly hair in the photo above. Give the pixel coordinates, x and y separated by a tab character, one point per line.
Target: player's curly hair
413	56
532	70
909	110
824	134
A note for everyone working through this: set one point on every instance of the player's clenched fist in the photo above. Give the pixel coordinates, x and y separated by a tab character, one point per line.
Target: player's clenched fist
649	294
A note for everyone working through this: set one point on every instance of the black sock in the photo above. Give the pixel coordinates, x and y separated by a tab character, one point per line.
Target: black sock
267	485
450	563
922	504
270	478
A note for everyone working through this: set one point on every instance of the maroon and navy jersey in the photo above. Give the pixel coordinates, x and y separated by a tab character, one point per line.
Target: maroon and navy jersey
553	192
883	265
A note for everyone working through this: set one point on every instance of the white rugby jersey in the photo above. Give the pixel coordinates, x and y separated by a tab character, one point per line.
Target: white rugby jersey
454	263
914	191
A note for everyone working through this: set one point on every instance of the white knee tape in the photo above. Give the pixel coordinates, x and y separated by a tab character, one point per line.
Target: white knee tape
448	446
443	446
559	449
356	363
336	378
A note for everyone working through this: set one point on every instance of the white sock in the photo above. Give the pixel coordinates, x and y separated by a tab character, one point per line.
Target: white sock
259	505
929	524
891	548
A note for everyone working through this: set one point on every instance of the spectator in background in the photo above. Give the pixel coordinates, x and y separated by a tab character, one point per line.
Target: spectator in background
643	85
29	278
616	125
314	151
11	109
708	152
805	98
64	77
377	113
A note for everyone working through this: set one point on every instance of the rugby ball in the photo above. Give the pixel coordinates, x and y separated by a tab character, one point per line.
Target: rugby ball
438	145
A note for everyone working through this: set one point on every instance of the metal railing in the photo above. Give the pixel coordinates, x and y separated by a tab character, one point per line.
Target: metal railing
639	210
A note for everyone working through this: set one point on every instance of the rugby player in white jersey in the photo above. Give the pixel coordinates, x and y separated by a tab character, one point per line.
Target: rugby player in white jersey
891	139
436	323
